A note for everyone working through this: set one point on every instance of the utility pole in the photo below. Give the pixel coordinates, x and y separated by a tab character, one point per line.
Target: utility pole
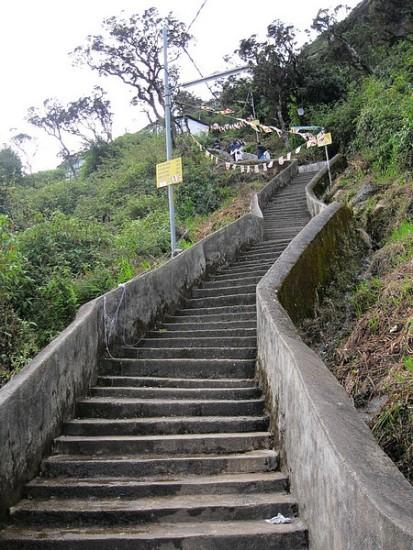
254	114
168	134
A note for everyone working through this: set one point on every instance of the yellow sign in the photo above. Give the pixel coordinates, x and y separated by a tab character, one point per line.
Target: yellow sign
169	172
324	139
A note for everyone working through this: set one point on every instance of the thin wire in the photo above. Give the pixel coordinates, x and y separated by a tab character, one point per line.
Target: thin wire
199	72
191	23
196	15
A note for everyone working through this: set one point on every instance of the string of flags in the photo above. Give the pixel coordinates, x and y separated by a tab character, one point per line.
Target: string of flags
255	168
311	140
254	124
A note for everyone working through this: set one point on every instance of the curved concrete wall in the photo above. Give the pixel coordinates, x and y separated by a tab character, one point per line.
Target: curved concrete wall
350	493
34	404
320	182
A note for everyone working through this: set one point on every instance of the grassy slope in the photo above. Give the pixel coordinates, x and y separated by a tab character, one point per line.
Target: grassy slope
66	241
374	360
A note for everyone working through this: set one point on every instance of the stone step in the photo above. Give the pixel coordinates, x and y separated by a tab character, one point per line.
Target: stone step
241	267
283	242
44	488
254	262
271	255
286	228
265	248
180	383
220	310
199	332
111	512
290	232
241	273
240	535
106	407
284	220
293	205
141	467
213	326
195	342
288	199
175	393
247	352
168	445
167	425
270	245
202	321
179	368
191	536
217	301
231	283
223	291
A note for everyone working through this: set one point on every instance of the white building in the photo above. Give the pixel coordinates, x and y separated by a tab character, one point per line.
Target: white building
188	124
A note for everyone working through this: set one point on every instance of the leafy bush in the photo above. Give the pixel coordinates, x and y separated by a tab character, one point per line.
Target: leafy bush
63	242
147	236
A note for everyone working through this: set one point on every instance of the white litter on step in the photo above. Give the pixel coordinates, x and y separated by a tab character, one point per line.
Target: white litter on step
279	518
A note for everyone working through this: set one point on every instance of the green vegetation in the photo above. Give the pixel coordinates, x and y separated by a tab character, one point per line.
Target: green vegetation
65	241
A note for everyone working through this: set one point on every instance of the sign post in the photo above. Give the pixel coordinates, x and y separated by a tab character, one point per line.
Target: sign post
168	173
167	99
324	140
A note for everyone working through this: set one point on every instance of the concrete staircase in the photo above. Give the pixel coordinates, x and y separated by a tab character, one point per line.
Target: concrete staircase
172	447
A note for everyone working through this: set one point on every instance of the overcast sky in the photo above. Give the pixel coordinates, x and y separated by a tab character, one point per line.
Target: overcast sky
36	36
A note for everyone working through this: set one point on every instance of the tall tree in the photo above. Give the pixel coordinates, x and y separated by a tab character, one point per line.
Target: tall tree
327	22
10	173
274	68
131	50
88	118
27	147
10	166
52	119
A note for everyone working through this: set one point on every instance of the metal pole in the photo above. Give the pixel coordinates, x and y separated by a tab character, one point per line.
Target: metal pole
253	114
328	166
168	132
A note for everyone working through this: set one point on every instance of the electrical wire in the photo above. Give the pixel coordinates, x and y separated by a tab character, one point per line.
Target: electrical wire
199	72
197	15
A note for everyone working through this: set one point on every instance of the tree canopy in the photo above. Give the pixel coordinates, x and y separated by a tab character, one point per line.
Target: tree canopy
10	166
88	118
131	50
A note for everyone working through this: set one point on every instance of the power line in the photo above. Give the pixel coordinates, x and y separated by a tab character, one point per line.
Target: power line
199	72
196	15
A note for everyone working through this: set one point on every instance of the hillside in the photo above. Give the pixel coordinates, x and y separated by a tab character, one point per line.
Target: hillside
363	328
66	241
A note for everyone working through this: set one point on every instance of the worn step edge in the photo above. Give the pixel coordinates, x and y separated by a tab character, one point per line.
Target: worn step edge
242	535
240	483
166	425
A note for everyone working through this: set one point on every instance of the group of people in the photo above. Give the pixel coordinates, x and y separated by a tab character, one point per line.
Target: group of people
235	149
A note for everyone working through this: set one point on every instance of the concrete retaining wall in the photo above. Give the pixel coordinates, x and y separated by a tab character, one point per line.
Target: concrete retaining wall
34	404
349	492
281	180
320	183
312	167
